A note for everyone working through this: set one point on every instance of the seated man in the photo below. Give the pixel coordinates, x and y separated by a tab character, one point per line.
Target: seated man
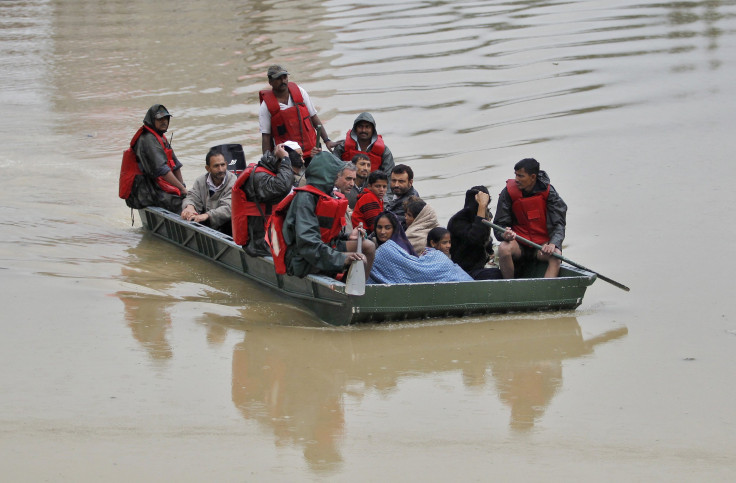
151	174
258	189
370	202
344	184
530	207
364	138
402	188
362	169
208	202
471	239
305	228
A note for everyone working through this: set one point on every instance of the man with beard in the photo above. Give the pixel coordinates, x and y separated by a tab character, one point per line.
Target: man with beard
286	112
364	138
530	207
151	173
402	187
208	202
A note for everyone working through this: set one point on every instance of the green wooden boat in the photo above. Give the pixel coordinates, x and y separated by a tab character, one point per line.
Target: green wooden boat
326	296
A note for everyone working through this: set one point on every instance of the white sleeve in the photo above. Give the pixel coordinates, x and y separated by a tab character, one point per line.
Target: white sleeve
264	119
308	102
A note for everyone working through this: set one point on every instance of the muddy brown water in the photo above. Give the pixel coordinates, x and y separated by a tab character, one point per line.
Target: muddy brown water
127	359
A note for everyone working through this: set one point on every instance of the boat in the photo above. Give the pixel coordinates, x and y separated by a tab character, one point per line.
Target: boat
326	298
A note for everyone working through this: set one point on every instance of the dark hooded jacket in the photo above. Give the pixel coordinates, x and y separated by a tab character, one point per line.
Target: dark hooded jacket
152	161
471	240
387	160
556	211
306	252
264	188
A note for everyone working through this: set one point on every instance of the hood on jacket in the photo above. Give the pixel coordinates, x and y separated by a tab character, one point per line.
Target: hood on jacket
365	116
470	202
322	171
542	182
156	111
270	161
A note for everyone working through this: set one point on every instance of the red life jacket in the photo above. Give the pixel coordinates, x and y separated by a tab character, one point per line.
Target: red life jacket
375	154
130	168
293	123
242	208
330	213
530	213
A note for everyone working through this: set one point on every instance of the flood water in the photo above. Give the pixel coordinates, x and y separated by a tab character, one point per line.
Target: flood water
126	358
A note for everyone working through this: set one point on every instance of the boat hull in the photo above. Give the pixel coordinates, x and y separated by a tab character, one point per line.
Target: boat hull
326	297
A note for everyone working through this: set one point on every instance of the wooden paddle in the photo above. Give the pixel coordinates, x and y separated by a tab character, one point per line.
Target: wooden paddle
355	284
557	255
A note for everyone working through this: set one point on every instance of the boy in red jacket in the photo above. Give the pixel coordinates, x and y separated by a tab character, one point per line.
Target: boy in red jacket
370	202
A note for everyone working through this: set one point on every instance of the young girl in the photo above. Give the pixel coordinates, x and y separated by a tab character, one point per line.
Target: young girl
420	219
439	239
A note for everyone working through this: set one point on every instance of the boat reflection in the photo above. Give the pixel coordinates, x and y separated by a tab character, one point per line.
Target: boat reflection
294	381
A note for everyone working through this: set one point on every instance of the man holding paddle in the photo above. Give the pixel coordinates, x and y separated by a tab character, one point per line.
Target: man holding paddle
530	207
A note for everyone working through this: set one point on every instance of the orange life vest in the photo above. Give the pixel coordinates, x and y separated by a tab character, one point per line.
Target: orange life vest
293	123
130	168
530	213
375	154
330	213
242	208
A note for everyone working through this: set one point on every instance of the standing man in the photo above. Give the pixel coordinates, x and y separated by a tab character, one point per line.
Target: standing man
286	112
530	207
402	187
151	173
364	138
208	202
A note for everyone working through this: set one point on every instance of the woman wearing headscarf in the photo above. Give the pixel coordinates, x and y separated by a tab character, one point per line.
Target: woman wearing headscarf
420	219
471	238
396	261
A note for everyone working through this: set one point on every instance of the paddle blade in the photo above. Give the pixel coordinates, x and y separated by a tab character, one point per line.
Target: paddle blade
355	284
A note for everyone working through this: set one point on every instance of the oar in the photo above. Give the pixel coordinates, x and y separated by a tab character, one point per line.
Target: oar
318	128
355	284
557	255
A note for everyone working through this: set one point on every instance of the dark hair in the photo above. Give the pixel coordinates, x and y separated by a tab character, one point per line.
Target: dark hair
401	169
436	234
414	205
360	156
375	176
213	152
391	219
530	165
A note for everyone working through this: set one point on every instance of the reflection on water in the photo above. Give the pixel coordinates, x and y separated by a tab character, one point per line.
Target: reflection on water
160	277
295	382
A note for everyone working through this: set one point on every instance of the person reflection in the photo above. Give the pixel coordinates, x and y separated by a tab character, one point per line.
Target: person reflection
528	374
294	381
301	403
145	311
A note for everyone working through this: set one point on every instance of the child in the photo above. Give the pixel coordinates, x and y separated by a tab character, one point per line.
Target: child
370	202
439	239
